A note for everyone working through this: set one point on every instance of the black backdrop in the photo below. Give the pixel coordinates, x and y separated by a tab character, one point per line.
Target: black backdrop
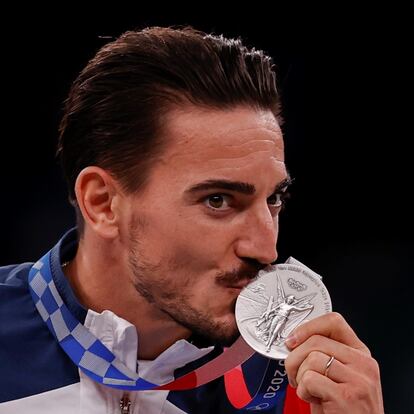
346	77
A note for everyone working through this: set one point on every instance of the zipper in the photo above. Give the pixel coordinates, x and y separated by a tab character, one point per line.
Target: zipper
125	404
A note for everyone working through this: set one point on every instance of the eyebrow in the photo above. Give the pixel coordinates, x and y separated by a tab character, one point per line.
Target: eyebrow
237	186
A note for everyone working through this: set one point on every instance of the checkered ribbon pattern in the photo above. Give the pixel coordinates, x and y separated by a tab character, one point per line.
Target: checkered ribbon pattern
101	365
83	348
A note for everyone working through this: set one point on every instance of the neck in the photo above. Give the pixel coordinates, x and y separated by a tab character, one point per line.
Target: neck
100	284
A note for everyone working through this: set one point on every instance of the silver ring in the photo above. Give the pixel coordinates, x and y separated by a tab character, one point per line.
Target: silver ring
329	363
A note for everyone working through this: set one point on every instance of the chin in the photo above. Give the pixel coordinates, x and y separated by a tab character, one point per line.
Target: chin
222	330
215	325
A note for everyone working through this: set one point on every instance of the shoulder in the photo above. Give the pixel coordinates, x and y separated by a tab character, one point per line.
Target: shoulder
14	275
15	297
32	361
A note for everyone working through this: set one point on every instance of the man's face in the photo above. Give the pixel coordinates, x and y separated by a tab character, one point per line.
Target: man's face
207	221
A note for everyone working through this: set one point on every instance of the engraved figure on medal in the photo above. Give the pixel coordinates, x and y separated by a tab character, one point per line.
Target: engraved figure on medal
270	308
282	316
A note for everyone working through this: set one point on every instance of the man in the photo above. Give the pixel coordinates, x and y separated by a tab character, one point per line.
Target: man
173	153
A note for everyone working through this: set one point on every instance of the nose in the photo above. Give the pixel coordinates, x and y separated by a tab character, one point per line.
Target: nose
258	236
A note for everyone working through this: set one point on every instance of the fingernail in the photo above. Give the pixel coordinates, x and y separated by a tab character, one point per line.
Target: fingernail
292	383
291	341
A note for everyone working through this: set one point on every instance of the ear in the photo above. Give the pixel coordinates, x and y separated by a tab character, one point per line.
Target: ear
97	194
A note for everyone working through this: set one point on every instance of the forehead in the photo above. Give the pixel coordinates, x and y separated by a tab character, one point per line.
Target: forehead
240	144
213	137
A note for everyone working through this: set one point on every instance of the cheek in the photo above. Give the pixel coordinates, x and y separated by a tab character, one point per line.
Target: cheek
189	242
194	241
206	296
209	237
190	258
195	268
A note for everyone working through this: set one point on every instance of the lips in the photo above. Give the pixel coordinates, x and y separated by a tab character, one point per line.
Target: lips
239	278
240	285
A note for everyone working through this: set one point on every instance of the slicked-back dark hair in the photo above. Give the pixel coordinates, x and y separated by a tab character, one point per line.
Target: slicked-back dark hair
113	116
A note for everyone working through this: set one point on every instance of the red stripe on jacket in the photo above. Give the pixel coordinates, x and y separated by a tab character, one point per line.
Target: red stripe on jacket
293	404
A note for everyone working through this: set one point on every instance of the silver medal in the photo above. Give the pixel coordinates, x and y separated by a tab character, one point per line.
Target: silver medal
271	307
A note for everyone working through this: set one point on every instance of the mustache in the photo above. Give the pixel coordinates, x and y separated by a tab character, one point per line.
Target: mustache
247	271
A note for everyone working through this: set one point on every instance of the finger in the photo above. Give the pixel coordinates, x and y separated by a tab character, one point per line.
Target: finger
316	408
314	385
355	359
331	325
317	361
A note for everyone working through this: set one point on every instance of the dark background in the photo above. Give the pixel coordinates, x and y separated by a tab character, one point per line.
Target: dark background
346	78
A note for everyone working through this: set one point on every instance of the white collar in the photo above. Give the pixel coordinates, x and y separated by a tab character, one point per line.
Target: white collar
121	337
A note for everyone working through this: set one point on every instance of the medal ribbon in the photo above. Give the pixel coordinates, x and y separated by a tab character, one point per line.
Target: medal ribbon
101	365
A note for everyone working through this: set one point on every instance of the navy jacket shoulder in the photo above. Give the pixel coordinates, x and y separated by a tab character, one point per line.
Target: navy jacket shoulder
31	360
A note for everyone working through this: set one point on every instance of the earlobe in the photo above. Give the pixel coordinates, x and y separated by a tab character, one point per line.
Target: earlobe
96	193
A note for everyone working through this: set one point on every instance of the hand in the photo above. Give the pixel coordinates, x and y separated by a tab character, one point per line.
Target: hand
352	383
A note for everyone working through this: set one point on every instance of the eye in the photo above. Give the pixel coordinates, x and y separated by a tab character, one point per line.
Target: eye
218	201
275	200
